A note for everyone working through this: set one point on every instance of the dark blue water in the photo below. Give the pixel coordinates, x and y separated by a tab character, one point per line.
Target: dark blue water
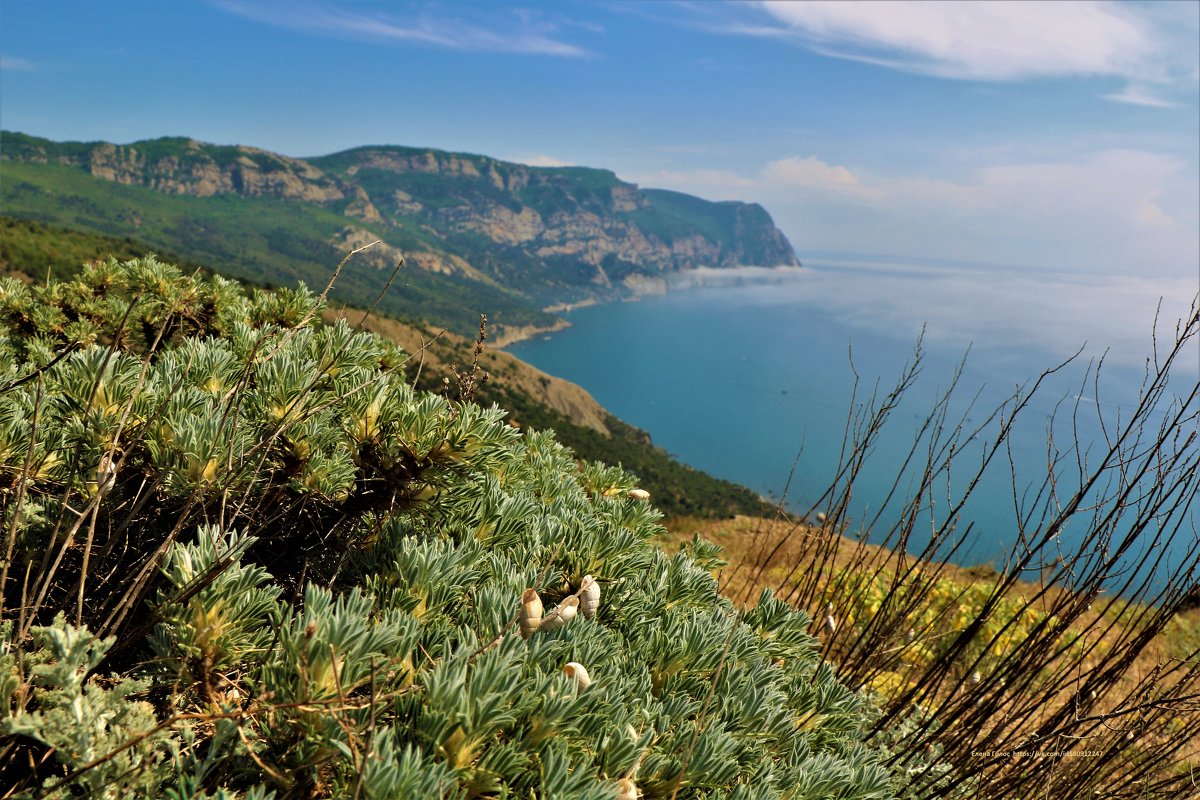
755	381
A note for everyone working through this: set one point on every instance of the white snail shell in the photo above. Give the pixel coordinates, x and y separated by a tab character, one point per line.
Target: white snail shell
627	790
589	597
579	672
831	624
976	677
910	636
639	494
101	480
821	517
531	613
563	613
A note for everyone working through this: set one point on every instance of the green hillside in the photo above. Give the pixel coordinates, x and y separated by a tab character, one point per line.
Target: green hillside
261	240
38	250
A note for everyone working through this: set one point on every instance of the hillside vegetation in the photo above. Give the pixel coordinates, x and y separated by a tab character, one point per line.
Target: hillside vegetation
532	398
244	558
478	235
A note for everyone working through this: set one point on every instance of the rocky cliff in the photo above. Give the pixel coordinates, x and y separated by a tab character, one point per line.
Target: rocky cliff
553	233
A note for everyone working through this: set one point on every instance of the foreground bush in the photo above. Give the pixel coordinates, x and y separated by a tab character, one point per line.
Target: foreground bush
243	558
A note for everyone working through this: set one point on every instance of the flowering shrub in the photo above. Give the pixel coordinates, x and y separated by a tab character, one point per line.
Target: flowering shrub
947	607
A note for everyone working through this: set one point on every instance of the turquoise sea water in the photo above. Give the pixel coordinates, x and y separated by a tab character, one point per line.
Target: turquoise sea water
741	378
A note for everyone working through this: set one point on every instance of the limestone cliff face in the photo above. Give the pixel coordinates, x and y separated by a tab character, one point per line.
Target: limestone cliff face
188	167
549	234
560	233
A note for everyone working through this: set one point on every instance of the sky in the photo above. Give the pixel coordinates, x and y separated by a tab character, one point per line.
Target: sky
1055	135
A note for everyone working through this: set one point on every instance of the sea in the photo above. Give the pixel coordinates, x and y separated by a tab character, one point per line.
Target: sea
757	376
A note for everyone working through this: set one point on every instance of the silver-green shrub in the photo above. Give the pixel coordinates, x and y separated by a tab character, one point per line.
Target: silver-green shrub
245	559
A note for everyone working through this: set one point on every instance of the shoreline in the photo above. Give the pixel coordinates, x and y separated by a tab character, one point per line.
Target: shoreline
694	278
518	333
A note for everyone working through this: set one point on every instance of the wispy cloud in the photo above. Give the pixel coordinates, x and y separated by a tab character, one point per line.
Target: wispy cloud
1139	96
512	31
17	64
1150	46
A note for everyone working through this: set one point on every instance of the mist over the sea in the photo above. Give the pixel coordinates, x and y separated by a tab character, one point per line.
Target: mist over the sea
742	374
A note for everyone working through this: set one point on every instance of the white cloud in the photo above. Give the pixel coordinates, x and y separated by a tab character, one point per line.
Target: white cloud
540	160
1149	46
813	173
517	32
17	64
986	40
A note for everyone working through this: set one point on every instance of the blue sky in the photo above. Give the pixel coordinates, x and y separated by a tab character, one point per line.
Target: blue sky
1048	134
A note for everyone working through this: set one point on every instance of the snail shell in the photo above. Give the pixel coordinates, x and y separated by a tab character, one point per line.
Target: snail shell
831	624
579	672
589	597
976	677
531	613
563	613
639	494
627	790
101	480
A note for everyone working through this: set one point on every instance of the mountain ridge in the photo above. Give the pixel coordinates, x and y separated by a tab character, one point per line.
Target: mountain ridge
520	237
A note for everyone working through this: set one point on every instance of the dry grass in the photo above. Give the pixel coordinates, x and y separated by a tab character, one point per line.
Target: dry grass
435	351
747	540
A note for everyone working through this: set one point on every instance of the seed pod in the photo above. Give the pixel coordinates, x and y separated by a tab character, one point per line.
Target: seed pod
531	613
589	597
627	790
579	672
639	494
563	613
101	480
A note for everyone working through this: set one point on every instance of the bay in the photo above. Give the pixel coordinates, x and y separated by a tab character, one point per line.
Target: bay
753	376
